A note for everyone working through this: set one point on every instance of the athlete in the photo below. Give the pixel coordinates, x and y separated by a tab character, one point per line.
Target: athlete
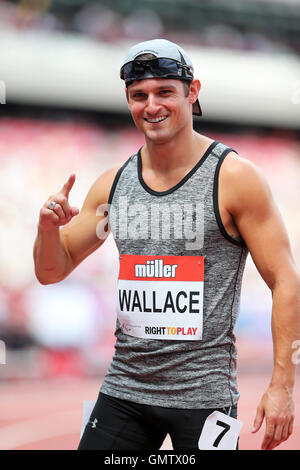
185	211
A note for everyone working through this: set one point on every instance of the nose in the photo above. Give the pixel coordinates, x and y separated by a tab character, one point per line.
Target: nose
152	104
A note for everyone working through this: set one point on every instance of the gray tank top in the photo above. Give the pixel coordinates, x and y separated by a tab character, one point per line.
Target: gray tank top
179	290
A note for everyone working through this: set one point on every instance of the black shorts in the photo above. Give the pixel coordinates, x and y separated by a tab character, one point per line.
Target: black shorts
117	424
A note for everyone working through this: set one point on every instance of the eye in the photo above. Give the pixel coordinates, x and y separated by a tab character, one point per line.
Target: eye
139	96
165	92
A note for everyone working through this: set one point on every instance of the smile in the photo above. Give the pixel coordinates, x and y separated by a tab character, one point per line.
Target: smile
156	120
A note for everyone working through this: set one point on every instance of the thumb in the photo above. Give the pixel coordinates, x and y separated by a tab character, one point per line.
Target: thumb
258	419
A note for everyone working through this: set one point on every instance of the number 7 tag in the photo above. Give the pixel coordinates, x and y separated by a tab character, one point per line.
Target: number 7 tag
220	432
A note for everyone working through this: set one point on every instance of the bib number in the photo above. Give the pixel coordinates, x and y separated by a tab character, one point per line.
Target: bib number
220	432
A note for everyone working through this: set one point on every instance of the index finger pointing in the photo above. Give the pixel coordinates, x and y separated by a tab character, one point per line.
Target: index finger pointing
68	185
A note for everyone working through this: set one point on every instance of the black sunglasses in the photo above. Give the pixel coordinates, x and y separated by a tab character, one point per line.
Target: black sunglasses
164	68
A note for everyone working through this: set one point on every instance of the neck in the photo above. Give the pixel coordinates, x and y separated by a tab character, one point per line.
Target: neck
180	153
166	156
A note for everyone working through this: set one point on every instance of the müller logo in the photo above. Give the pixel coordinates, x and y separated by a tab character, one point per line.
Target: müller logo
155	268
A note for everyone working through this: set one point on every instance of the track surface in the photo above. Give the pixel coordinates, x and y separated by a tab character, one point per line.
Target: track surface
47	414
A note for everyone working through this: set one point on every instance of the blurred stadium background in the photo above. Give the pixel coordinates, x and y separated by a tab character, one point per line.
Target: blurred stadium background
63	110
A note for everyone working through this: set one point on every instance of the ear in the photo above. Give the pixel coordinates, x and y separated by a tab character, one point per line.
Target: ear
194	90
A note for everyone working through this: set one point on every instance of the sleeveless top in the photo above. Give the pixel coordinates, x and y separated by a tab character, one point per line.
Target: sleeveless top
179	290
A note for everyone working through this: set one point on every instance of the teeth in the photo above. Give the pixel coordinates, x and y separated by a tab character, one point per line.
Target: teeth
161	118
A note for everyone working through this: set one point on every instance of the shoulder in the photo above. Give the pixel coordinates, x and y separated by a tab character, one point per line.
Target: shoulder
244	184
237	167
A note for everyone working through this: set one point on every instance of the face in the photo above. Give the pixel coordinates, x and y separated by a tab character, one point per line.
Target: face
160	107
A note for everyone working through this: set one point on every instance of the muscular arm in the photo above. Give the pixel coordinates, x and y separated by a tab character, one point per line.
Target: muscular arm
257	218
57	251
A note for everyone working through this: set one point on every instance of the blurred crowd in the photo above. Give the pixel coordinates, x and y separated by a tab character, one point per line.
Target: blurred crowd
52	322
257	25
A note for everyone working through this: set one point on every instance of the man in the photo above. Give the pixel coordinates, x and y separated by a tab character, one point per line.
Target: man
184	212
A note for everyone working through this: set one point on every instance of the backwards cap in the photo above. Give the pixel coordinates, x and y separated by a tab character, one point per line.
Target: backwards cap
162	49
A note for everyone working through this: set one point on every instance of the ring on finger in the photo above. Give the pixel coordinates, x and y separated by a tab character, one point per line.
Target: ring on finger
52	205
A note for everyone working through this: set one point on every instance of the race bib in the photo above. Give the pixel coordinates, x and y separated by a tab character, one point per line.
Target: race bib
161	297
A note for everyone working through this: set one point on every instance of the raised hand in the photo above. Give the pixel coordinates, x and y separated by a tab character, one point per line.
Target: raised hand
57	211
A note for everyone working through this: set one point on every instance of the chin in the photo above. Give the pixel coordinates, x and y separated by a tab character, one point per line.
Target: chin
160	136
158	139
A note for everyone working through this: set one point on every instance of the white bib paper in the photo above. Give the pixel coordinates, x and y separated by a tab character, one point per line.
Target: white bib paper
220	432
161	297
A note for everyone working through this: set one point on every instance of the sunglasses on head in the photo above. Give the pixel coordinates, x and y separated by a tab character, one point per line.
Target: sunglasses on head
164	68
